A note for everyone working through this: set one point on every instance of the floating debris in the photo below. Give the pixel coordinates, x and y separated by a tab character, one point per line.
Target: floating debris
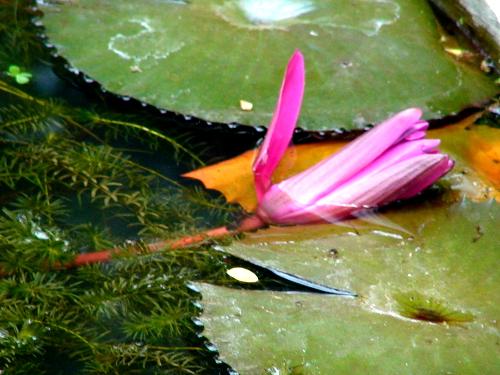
246	106
135	69
242	274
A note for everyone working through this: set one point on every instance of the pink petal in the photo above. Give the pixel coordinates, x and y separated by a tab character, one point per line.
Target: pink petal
402	151
369	191
417	135
283	203
424	181
379	188
282	125
324	177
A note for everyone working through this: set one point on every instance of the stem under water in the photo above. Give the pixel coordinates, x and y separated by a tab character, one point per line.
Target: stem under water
108	254
249	224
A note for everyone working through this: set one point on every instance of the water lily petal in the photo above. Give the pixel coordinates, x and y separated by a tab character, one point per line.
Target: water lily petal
369	191
402	151
282	125
284	205
424	181
416	135
381	187
327	175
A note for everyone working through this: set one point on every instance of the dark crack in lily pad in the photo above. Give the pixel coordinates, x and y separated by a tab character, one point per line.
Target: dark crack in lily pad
365	59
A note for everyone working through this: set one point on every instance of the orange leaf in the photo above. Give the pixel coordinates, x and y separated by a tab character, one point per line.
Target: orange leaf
484	154
475	150
234	177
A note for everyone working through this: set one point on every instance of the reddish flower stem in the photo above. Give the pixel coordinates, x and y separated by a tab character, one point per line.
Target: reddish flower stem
106	255
249	224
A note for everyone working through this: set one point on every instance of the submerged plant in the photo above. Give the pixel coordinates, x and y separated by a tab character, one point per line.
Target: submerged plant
388	163
70	184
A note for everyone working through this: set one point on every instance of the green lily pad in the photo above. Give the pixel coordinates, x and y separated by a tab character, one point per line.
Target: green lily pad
262	332
364	59
446	253
427	279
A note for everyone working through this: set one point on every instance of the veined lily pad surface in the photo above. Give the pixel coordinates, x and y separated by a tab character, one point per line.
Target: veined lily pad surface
365	59
427	280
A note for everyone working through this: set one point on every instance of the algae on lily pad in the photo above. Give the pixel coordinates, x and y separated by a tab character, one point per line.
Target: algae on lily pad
427	280
365	59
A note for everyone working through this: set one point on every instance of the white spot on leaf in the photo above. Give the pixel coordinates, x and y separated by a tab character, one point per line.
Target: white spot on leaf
243	275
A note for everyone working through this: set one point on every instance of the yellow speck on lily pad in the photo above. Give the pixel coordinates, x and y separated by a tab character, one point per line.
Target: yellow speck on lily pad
243	275
246	106
135	69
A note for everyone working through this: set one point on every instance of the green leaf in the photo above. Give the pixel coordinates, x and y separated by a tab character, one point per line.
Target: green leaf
13	70
23	78
428	296
365	60
20	76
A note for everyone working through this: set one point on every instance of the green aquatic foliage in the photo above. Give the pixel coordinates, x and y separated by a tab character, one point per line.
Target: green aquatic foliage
18	35
99	319
70	183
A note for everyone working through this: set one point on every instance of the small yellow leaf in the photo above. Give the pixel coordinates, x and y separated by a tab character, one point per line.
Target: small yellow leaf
243	275
461	54
457	52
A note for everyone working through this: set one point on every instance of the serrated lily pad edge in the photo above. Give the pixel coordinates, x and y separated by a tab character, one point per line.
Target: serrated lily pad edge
200	287
195	287
198	305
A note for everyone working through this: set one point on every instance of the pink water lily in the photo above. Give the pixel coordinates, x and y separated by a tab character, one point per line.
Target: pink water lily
392	161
